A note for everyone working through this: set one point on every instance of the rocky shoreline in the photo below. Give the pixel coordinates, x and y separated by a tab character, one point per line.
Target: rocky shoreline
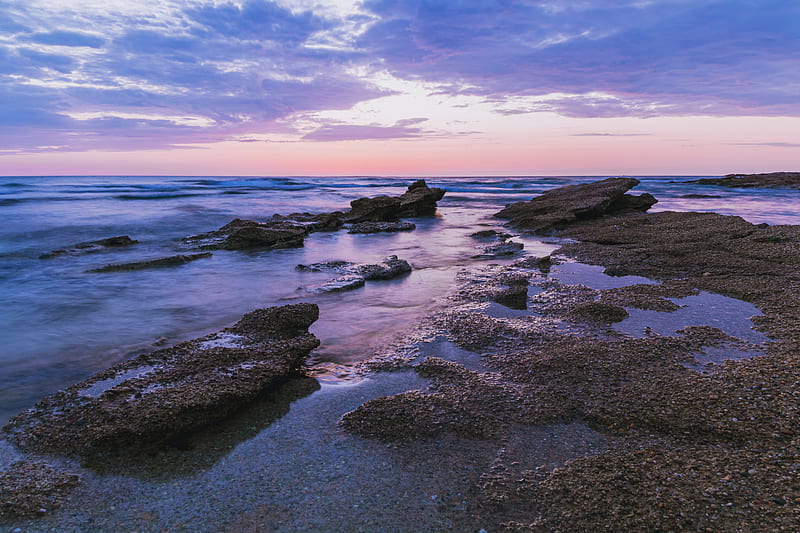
687	445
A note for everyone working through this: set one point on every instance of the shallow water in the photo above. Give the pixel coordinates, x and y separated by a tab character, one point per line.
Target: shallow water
61	324
283	463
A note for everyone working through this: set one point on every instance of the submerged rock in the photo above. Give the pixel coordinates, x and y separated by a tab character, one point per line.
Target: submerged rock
749	181
380	227
160	395
557	208
175	260
355	275
93	246
500	249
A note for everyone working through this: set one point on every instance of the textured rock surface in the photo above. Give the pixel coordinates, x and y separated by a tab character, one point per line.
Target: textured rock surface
381	227
418	200
242	234
92	246
163	394
557	208
30	488
175	260
353	276
750	181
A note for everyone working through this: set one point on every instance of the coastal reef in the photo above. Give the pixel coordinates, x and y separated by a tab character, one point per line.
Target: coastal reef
164	394
557	208
768	180
352	275
692	446
366	215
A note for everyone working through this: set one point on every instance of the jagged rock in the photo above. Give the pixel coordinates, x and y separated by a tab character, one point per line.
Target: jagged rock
312	223
500	249
163	394
93	246
379	227
748	181
175	260
354	275
390	268
515	296
240	234
557	208
418	200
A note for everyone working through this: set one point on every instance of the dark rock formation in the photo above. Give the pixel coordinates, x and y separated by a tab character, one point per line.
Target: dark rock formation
515	296
700	196
418	200
500	249
312	223
598	312
748	181
354	275
160	395
175	260
557	208
92	246
380	227
490	234
242	234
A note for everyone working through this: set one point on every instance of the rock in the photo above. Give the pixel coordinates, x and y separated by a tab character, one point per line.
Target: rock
240	234
92	246
175	260
557	208
264	237
313	223
161	395
515	296
390	268
30	488
378	227
598	312
418	200
490	234
500	249
377	209
354	275
748	181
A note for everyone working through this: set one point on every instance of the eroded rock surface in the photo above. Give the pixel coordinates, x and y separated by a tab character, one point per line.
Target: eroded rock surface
92	246
557	208
353	276
32	488
175	260
381	227
163	394
242	234
418	200
749	181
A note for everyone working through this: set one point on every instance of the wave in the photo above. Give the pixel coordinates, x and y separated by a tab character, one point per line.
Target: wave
156	196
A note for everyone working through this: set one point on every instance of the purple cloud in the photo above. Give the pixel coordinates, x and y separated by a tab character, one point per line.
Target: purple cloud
402	129
717	57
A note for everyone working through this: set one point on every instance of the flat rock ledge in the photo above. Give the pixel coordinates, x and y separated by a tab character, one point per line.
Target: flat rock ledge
175	260
121	241
768	180
353	275
164	394
558	208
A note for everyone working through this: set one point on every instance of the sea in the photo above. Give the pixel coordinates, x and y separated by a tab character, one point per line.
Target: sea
60	323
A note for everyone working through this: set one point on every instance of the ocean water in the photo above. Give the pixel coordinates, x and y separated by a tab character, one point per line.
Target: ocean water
60	324
283	464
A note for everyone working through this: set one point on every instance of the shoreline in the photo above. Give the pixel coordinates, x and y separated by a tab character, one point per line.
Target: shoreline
493	404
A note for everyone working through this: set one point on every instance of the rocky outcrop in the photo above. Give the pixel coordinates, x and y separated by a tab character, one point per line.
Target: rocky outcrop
381	227
500	248
92	246
353	276
242	234
557	208
418	200
160	395
175	260
749	181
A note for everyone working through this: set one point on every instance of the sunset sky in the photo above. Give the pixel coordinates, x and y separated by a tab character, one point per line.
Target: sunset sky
399	87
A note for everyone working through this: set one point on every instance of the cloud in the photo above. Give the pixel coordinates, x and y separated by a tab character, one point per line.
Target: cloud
772	144
68	38
610	134
402	129
715	57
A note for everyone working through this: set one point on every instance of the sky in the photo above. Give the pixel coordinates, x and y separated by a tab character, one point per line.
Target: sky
399	87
